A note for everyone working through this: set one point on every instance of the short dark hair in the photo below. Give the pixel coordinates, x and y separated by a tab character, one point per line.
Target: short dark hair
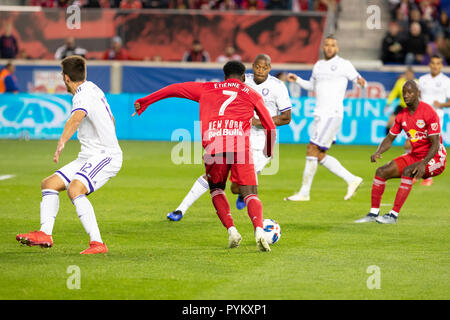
263	56
75	68
331	36
435	56
236	68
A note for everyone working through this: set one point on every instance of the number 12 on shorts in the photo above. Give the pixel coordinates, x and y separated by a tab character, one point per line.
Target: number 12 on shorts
233	95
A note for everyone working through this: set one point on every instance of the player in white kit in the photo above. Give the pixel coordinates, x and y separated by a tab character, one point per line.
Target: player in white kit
100	159
329	80
276	98
435	90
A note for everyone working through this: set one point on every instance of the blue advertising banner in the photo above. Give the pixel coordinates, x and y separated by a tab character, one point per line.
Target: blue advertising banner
149	79
42	116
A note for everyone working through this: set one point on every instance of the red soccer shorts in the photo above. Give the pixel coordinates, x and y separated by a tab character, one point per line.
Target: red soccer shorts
434	168
219	166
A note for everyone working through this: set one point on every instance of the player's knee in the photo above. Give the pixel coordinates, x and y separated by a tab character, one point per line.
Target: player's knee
45	183
234	188
214	186
381	172
407	172
247	190
311	149
53	182
75	189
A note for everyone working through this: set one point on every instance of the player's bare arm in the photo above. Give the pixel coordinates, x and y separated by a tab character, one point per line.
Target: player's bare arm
305	84
384	146
280	120
441	105
361	81
419	167
292	77
69	130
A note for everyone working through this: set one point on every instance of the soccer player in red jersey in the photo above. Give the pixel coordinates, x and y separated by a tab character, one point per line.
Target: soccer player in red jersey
426	159
226	112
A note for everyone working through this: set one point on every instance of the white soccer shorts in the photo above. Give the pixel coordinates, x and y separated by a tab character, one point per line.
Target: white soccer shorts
93	172
324	131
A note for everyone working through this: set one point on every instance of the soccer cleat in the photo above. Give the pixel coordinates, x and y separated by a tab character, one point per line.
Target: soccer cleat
388	218
370	217
95	247
240	203
352	187
234	239
261	242
176	215
35	238
297	197
427	182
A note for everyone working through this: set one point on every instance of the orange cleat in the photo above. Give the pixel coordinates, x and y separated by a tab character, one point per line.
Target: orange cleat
35	238
95	247
427	182
414	180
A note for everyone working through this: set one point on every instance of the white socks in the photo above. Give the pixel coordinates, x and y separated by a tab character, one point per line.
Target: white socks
86	214
49	210
336	167
308	175
198	189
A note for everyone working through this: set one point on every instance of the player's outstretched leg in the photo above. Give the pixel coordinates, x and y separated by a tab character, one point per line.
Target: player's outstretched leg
50	186
255	213
198	189
308	177
77	193
223	210
338	169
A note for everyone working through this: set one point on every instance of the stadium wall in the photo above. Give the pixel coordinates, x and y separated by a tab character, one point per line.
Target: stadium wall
167	34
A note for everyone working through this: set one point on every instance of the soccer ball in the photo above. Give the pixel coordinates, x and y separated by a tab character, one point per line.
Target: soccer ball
272	231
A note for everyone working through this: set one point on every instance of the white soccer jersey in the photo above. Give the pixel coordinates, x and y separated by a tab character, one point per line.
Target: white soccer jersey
97	133
329	80
276	99
434	88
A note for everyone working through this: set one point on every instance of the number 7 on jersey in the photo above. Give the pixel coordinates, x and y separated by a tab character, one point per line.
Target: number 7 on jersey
233	95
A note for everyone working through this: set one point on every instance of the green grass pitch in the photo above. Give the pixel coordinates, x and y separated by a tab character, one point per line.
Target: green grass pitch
322	254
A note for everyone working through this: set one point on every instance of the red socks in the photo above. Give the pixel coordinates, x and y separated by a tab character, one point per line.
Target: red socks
222	206
255	210
378	186
402	193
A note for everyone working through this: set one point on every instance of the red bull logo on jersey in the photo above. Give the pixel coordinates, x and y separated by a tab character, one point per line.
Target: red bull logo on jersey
420	123
415	135
219	128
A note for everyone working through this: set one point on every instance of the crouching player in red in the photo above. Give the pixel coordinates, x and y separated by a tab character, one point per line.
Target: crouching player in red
226	112
426	159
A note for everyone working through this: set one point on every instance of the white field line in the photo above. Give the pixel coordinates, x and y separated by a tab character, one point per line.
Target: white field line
7	176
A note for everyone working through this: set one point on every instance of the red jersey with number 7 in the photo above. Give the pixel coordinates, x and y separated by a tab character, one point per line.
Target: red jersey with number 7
226	112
